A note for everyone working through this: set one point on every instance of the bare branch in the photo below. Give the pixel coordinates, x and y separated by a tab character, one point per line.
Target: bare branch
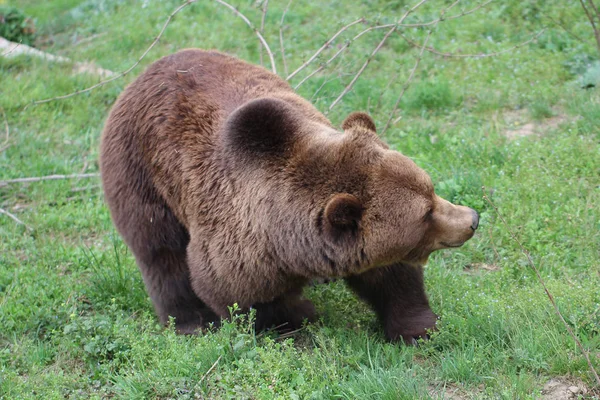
47	178
406	84
17	220
541	280
379	46
262	26
341	50
595	9
260	37
327	43
591	19
563	27
128	70
281	46
480	55
435	21
322	66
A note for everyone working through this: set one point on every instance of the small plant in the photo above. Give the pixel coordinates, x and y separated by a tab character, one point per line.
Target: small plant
16	26
540	110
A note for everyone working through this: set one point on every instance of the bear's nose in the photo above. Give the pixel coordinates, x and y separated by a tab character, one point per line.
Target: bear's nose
475	223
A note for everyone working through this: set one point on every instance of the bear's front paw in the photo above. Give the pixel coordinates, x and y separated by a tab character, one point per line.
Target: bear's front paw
410	326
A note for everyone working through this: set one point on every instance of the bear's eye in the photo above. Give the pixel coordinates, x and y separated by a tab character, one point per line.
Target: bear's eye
428	214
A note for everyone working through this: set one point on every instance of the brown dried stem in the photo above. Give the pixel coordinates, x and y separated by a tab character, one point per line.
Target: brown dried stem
591	19
17	220
5	145
281	46
47	178
209	370
480	55
260	37
128	70
373	53
11	50
541	280
327	43
406	84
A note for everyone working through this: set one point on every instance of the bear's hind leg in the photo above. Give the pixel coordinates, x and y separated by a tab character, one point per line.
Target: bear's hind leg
397	294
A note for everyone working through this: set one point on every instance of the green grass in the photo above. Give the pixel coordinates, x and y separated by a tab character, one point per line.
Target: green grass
75	321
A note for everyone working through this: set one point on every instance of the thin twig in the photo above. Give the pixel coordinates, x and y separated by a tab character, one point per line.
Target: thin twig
379	46
406	84
11	50
17	220
322	66
260	37
209	370
340	51
128	70
595	8
47	178
6	128
541	280
262	26
327	43
480	55
281	46
435	21
563	27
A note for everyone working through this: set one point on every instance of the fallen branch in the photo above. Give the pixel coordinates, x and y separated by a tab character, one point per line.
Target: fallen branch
327	43
461	55
17	220
379	46
47	178
128	70
406	84
260	37
541	280
79	67
281	46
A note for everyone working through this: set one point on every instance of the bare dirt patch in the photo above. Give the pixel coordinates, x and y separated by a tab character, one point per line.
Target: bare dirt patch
476	268
518	124
563	388
448	392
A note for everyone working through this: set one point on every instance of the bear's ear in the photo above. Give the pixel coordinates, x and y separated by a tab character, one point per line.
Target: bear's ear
343	213
357	119
262	126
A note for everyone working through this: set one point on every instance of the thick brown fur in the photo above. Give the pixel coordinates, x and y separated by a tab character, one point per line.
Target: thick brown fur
230	188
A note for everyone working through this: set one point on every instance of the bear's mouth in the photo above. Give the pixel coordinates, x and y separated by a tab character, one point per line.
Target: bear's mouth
452	244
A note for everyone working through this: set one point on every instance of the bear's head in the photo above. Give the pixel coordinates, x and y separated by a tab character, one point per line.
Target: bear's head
343	199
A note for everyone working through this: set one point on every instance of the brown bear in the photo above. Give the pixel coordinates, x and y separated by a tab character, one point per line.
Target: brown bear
230	188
